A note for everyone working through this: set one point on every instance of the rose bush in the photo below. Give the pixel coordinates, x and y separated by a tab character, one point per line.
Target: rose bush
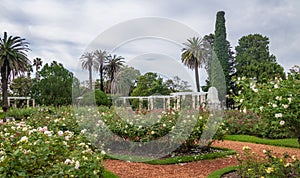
184	128
47	144
269	165
276	102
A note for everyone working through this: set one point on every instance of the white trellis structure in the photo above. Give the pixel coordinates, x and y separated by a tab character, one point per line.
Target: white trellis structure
12	100
174	100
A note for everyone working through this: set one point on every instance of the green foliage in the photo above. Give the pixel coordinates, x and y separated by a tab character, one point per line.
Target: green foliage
288	142
176	84
194	56
270	165
47	144
20	86
144	126
147	85
55	86
277	103
124	81
222	49
97	97
218	173
185	159
253	59
23	113
214	66
236	122
13	59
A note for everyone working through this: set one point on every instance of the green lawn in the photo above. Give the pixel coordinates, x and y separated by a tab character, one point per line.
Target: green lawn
177	159
220	172
289	142
108	174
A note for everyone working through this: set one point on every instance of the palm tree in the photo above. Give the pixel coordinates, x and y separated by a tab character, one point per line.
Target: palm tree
192	56
113	64
13	59
100	58
87	63
37	62
29	70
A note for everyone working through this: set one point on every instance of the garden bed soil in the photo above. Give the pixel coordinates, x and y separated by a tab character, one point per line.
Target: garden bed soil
232	174
197	169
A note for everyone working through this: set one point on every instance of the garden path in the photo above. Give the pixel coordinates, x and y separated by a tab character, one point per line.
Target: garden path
197	169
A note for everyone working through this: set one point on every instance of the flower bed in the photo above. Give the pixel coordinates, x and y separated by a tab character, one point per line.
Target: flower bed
47	144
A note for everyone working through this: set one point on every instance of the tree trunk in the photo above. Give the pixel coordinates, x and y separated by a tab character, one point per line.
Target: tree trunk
4	78
299	138
101	78
90	78
197	77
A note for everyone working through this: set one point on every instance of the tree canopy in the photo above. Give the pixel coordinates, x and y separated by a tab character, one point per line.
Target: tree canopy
253	59
55	86
13	60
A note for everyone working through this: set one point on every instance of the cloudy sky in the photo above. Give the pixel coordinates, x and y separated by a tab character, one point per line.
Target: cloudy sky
64	30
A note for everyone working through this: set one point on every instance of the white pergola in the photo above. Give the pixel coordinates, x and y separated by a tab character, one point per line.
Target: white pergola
14	98
197	99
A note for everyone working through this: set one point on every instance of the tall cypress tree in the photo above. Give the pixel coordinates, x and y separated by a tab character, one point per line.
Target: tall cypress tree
221	47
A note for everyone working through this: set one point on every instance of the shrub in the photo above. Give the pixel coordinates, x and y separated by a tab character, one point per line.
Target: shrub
20	114
236	122
144	126
276	102
47	144
252	165
97	97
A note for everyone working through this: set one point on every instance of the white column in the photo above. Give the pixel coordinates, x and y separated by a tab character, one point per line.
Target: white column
178	102
169	103
193	101
140	103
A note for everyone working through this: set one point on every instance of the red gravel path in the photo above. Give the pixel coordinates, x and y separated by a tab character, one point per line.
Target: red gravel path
199	169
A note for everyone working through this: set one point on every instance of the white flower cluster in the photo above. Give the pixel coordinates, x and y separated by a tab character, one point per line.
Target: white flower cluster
71	161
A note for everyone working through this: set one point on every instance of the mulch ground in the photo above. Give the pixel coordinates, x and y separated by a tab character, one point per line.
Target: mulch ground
199	169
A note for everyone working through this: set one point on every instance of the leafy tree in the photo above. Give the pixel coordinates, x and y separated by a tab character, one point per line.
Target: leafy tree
100	59
87	63
150	84
193	56
13	59
113	65
253	59
37	62
176	84
97	97
20	86
147	85
55	86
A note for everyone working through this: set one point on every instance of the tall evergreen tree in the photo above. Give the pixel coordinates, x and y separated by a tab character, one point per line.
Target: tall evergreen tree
221	47
253	59
210	39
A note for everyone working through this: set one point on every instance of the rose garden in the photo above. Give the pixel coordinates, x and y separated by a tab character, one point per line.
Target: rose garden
90	128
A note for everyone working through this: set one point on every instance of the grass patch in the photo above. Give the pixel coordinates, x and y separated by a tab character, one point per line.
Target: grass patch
220	172
288	142
108	174
177	159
